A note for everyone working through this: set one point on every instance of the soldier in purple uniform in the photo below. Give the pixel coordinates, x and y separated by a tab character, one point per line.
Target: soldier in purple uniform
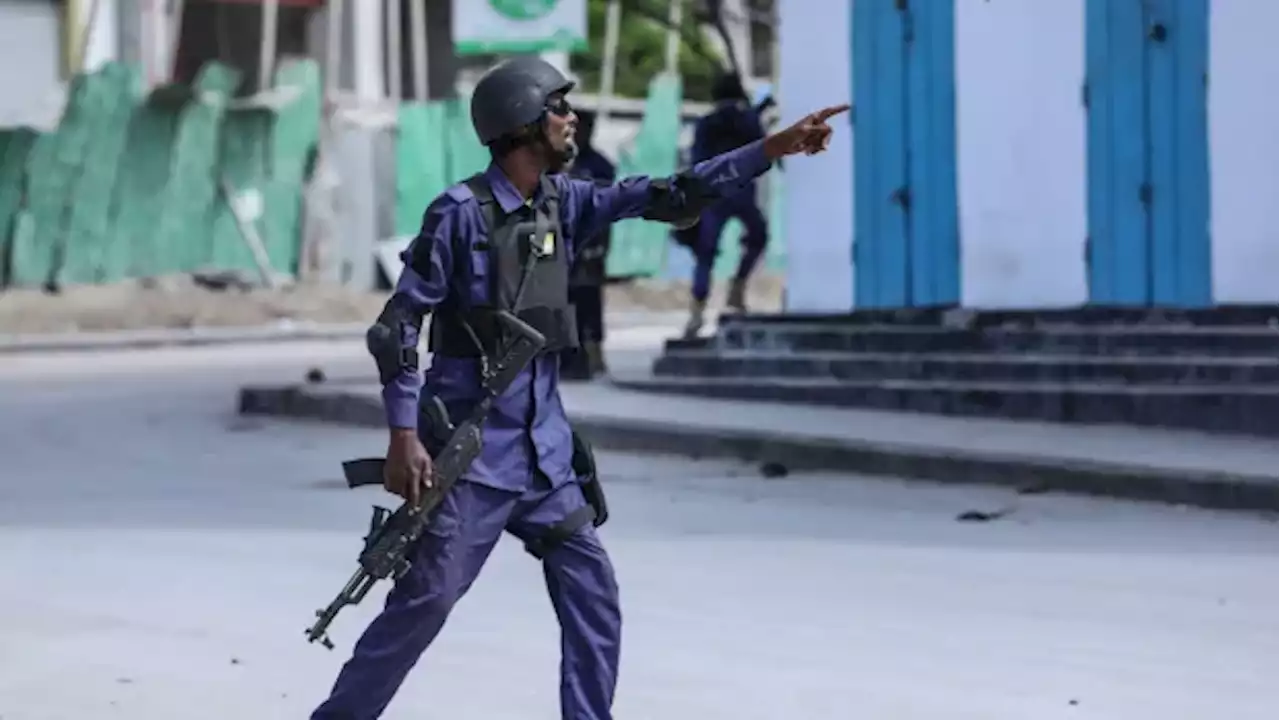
505	240
589	275
730	125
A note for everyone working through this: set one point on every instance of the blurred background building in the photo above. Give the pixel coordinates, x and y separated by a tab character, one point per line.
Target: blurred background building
1000	154
391	80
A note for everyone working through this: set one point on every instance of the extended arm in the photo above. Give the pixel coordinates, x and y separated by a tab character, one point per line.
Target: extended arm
393	339
678	199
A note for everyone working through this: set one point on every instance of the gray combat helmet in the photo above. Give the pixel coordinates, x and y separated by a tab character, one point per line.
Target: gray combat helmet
513	95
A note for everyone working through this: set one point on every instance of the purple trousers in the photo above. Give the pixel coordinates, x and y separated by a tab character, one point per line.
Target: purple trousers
755	238
463	532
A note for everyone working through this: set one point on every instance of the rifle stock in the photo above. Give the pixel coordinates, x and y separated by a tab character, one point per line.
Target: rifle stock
363	471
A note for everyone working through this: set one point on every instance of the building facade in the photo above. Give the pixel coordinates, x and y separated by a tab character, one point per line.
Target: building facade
1034	154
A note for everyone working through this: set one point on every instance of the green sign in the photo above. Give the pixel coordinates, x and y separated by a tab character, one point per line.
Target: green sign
519	26
523	9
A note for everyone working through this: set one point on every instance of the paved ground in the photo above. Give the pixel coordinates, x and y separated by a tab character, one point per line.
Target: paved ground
161	559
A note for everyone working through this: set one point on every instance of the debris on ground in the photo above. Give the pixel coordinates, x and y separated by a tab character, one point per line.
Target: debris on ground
773	470
983	516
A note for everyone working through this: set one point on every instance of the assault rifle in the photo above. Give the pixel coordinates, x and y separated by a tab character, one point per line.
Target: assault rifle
392	535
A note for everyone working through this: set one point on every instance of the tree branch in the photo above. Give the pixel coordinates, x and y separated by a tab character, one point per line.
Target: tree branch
715	9
688	35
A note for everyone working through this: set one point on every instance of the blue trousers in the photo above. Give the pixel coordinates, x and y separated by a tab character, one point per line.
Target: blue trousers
463	532
755	238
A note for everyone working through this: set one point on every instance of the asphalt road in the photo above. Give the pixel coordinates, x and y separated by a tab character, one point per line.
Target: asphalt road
161	557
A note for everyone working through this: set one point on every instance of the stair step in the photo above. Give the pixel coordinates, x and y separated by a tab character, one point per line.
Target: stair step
1249	410
1013	368
1244	315
680	343
1137	340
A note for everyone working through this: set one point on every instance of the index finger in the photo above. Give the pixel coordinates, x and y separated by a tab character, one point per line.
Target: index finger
824	114
413	489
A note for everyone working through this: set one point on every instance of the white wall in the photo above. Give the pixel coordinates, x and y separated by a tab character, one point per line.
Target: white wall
1243	149
815	72
34	92
104	36
1020	137
30	74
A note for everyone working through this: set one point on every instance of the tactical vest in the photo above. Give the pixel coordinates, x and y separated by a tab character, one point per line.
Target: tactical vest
528	274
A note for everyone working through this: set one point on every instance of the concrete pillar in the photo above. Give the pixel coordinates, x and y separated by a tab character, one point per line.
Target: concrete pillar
366	56
355	148
128	28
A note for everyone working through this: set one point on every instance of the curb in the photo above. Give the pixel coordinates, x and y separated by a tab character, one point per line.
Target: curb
299	401
188	337
1210	490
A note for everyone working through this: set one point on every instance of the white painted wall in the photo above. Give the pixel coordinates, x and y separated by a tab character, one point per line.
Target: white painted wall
104	36
30	76
815	72
367	25
1243	149
1020	137
34	92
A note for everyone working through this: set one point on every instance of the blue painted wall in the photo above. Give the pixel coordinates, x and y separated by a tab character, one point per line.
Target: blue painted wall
906	238
1146	103
1156	187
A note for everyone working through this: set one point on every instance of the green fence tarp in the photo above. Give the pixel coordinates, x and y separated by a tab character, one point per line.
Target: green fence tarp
183	235
436	147
138	197
422	171
295	133
243	160
88	235
15	145
129	186
638	247
31	258
466	156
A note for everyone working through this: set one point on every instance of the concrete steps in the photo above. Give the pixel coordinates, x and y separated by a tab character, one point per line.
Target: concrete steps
1222	315
1220	409
1062	339
1213	370
709	363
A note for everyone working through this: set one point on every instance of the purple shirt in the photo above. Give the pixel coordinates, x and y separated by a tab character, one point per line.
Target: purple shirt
527	428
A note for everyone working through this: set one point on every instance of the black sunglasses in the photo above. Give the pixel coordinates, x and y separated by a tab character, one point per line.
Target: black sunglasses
559	107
